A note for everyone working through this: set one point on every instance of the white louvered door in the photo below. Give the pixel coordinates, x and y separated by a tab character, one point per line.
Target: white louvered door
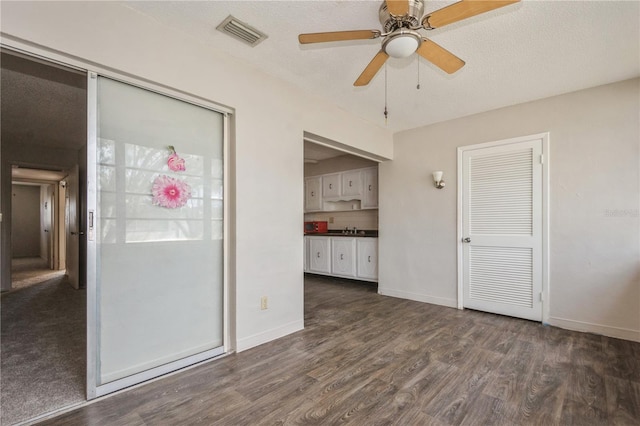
502	229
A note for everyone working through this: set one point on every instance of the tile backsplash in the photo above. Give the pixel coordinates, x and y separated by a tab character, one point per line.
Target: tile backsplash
361	219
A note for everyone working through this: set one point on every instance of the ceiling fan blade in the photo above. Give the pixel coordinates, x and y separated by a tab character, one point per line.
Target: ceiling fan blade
398	7
439	56
462	10
372	69
338	36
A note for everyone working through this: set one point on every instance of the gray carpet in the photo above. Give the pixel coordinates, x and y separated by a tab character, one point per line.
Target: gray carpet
43	344
29	271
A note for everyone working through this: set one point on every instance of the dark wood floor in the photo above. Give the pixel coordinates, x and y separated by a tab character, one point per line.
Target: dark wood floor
374	360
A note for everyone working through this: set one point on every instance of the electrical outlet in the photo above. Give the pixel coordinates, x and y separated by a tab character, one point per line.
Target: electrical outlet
330	219
263	303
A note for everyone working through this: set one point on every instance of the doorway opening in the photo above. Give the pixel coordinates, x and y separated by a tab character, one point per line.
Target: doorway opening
43	324
38	225
340	215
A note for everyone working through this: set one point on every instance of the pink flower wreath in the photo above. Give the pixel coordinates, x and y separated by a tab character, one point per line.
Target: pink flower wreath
175	162
170	192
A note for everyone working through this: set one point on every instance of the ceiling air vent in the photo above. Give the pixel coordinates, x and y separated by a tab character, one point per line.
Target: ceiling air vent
241	31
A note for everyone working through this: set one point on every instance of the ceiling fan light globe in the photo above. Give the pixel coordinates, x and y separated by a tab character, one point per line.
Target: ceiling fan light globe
402	44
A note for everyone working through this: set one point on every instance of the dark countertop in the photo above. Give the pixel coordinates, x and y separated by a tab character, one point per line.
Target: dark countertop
337	233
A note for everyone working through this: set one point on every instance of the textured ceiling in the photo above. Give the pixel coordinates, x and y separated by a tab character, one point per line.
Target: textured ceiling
522	52
42	105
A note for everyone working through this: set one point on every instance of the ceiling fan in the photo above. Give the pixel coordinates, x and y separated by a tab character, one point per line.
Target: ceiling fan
401	20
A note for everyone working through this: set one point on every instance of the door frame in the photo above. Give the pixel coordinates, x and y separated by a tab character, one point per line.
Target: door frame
53	57
53	258
61	226
545	215
72	228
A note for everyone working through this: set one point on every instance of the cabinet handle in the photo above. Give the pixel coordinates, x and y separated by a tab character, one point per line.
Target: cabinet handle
369	187
330	186
369	259
349	183
341	256
318	255
313	194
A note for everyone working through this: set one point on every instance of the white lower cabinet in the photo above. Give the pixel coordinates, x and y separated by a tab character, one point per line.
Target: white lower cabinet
306	254
343	257
349	257
319	254
367	249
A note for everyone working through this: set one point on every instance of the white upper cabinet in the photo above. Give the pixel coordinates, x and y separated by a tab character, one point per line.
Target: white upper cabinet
312	198
348	190
370	188
331	185
352	184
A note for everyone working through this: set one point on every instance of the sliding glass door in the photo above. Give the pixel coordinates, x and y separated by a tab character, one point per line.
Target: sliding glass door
156	253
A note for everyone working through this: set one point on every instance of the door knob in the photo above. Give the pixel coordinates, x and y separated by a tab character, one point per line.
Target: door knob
466	240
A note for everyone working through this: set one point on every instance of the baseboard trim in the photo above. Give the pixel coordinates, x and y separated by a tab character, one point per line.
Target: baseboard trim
425	298
587	327
269	335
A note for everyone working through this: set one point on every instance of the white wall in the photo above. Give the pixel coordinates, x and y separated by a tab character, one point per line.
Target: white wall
361	219
25	226
594	205
270	117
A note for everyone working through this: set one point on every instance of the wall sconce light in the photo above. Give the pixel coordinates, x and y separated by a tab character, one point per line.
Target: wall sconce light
437	178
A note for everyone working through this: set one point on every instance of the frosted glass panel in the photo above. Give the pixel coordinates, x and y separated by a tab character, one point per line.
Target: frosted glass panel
160	276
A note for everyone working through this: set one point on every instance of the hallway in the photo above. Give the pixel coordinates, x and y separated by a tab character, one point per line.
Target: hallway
29	271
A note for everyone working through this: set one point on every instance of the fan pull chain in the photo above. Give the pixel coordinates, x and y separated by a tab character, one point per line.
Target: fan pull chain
386	113
418	86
